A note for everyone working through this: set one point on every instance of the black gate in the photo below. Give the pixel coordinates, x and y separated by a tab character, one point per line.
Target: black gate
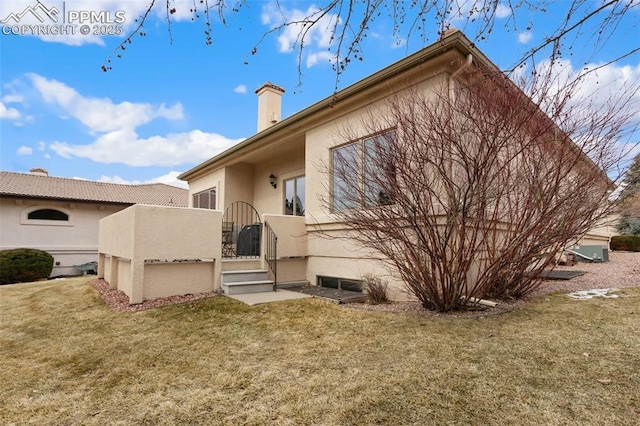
241	231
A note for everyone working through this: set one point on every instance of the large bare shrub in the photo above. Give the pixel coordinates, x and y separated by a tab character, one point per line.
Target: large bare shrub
471	192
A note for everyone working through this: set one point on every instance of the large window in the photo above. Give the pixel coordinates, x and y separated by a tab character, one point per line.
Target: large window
363	172
205	199
294	196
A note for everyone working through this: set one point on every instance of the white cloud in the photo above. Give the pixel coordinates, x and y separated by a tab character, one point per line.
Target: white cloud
170	178
8	113
101	114
525	37
125	147
242	89
316	40
594	83
502	11
398	42
463	12
12	99
320	57
591	92
114	127
24	150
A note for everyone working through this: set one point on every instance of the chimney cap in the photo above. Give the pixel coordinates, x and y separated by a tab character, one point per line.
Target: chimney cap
449	31
39	171
269	85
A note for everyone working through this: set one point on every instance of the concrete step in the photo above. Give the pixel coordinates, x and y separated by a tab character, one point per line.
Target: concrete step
244	275
240	264
245	287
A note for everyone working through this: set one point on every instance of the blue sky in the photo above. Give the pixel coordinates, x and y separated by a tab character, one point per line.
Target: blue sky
165	107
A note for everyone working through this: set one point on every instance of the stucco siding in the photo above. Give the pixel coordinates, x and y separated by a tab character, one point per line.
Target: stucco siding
70	243
161	251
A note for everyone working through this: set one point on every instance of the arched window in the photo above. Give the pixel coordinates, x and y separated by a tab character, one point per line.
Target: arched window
48	214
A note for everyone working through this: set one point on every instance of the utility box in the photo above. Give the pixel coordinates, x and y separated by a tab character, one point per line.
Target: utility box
592	253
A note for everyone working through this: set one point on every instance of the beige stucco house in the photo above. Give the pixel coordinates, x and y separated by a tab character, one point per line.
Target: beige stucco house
61	216
258	205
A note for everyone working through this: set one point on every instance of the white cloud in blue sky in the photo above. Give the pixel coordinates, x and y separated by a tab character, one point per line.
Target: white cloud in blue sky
525	37
8	113
167	106
170	178
502	11
316	40
24	150
101	114
127	147
116	126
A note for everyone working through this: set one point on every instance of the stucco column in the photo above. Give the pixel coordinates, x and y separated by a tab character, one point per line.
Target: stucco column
101	259
137	281
112	278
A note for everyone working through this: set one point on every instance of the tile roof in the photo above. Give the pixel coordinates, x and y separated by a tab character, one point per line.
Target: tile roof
55	188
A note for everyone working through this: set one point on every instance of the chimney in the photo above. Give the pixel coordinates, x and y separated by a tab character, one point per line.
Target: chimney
269	105
39	172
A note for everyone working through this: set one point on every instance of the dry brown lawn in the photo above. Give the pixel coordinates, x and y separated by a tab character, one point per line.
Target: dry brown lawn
66	358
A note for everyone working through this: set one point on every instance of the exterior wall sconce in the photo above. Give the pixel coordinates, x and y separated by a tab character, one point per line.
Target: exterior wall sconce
273	181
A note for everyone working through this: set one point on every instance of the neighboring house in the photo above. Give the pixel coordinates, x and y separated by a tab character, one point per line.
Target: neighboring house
268	193
61	215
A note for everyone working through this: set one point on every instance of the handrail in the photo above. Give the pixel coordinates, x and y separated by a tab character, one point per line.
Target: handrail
271	252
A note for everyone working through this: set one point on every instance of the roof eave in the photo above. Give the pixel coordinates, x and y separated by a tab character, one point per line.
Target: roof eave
456	40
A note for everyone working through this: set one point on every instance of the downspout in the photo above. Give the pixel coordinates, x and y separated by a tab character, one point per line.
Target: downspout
452	95
452	99
458	71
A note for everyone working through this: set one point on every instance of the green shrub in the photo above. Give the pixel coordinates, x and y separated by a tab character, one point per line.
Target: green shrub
625	242
629	225
24	265
376	289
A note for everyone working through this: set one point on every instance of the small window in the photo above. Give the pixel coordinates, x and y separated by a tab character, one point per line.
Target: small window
294	194
48	214
340	283
205	199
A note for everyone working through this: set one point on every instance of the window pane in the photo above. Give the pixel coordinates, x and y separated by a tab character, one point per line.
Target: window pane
48	214
195	201
289	194
379	169
204	200
345	177
300	196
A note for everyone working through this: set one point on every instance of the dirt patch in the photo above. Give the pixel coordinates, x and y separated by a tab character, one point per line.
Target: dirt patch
119	301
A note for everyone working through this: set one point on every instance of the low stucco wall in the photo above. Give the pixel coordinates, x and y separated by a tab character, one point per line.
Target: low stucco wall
292	246
163	279
291	232
151	251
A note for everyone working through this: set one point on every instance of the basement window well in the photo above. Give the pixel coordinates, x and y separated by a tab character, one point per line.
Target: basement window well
340	283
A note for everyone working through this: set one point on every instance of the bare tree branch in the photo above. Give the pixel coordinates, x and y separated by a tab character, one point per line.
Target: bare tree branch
474	195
